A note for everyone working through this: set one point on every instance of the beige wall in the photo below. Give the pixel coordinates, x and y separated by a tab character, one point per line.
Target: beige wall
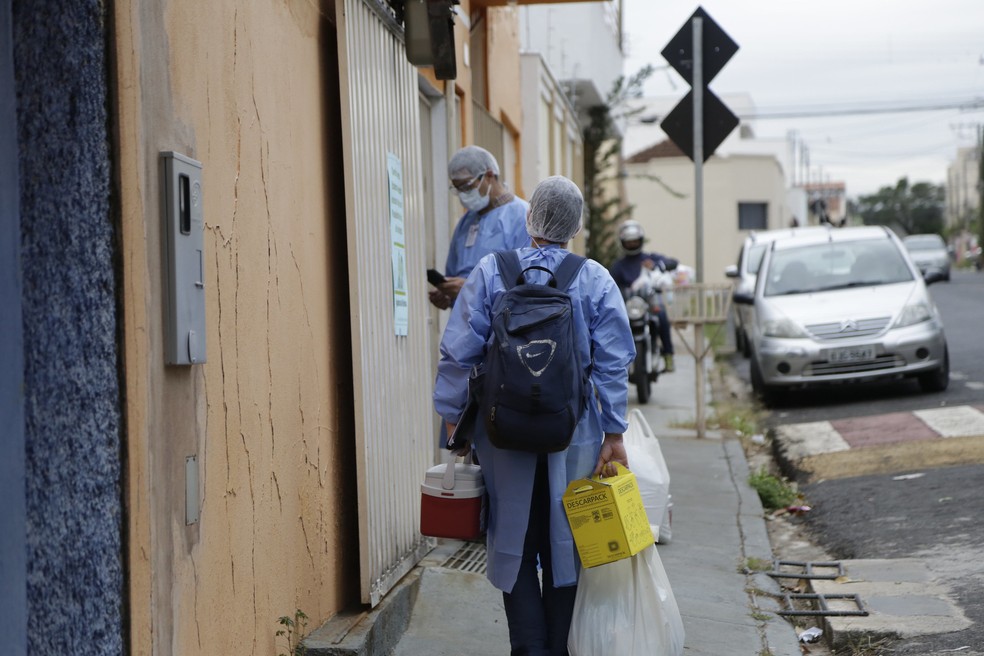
242	88
505	102
669	220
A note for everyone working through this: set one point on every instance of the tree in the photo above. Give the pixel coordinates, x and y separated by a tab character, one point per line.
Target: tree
601	157
916	208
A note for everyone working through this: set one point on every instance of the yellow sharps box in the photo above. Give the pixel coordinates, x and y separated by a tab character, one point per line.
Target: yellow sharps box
607	517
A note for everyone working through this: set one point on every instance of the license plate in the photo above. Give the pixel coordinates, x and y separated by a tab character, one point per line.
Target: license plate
851	354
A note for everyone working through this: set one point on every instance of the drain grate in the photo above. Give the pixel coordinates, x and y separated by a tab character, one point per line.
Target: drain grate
806	570
824	610
471	557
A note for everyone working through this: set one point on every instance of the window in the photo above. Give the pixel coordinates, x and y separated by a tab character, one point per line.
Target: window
752	216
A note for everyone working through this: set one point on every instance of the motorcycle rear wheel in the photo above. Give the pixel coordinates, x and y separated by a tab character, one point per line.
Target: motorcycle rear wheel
641	376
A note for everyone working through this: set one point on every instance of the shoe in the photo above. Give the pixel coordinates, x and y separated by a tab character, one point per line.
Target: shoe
668	363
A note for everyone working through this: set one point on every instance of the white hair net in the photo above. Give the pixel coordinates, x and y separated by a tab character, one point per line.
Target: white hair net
471	162
555	210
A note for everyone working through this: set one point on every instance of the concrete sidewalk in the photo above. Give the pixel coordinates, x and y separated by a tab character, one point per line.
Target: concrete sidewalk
446	607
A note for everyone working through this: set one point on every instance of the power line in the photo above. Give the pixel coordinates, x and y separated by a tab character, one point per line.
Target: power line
966	104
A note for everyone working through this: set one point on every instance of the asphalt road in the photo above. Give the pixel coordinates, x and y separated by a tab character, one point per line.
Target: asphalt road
933	514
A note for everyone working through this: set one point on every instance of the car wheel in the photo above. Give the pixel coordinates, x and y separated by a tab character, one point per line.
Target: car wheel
938	379
746	349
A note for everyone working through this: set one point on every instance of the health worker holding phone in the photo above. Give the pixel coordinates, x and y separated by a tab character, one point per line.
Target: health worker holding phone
495	220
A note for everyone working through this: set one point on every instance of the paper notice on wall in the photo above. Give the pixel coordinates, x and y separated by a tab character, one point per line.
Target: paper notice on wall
401	314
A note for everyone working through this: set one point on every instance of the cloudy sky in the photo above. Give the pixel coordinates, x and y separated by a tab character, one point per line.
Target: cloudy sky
840	55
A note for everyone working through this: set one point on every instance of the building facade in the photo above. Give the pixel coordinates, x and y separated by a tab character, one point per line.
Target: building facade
741	193
152	502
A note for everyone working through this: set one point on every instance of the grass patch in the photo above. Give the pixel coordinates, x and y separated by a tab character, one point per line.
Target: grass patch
774	492
742	419
753	564
716	335
863	646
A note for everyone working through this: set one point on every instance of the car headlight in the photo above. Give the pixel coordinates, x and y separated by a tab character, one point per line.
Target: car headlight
636	308
912	314
784	328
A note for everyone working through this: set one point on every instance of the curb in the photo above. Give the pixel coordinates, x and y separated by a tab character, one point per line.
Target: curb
368	633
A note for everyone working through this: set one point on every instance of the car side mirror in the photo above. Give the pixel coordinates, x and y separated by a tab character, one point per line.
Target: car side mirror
743	298
731	271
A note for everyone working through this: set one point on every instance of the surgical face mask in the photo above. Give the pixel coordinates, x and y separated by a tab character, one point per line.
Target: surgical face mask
473	199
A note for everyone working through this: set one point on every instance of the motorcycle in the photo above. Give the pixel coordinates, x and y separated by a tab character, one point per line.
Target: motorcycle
642	302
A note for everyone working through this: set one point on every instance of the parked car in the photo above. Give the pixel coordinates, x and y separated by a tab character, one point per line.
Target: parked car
839	306
744	273
929	252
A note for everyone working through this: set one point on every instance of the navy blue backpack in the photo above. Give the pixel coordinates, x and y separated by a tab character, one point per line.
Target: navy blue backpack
534	389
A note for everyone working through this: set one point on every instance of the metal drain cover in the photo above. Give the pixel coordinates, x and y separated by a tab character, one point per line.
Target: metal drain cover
824	609
471	557
807	569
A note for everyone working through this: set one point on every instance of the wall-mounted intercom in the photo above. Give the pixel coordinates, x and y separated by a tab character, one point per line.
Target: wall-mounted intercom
184	263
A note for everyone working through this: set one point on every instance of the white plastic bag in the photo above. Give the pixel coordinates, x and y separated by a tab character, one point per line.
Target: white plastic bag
626	608
653	477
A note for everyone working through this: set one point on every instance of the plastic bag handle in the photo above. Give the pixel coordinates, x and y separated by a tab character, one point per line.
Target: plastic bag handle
646	428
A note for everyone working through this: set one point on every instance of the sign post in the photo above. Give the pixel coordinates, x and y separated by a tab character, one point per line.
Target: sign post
698	52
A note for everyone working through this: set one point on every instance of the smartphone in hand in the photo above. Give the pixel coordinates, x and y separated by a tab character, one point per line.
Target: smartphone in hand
435	277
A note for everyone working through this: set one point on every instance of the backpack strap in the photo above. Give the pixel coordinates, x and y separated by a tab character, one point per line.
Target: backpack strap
509	267
567	270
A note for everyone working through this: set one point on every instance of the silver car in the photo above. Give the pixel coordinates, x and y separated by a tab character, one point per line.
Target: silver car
846	304
746	270
929	253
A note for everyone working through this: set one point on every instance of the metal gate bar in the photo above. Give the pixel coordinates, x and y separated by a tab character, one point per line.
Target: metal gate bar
807	572
821	601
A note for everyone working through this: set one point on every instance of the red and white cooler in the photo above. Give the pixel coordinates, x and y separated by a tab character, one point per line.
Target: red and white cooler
452	502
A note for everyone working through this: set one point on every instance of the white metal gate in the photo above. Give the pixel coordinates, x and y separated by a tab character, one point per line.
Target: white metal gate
393	411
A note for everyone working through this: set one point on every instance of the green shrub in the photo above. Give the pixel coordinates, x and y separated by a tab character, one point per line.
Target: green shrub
773	492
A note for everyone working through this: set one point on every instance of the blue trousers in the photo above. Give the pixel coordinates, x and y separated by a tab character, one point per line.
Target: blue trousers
539	619
665	333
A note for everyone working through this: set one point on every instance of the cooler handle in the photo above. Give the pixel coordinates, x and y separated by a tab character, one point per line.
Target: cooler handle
448	482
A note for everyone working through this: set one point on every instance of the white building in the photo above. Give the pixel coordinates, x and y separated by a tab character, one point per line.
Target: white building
741	193
561	34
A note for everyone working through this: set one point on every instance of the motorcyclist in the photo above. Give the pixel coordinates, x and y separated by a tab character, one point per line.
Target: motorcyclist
627	269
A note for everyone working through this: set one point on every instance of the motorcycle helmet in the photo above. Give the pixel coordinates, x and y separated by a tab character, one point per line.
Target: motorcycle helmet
631	235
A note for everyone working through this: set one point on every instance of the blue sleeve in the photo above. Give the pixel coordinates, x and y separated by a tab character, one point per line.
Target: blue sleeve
452	264
618	273
661	261
464	340
613	350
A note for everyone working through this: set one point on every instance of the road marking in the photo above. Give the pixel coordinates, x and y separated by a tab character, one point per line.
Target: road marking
961	421
974	385
810	439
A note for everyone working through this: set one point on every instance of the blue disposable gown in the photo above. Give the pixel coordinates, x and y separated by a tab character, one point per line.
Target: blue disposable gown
501	229
509	474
